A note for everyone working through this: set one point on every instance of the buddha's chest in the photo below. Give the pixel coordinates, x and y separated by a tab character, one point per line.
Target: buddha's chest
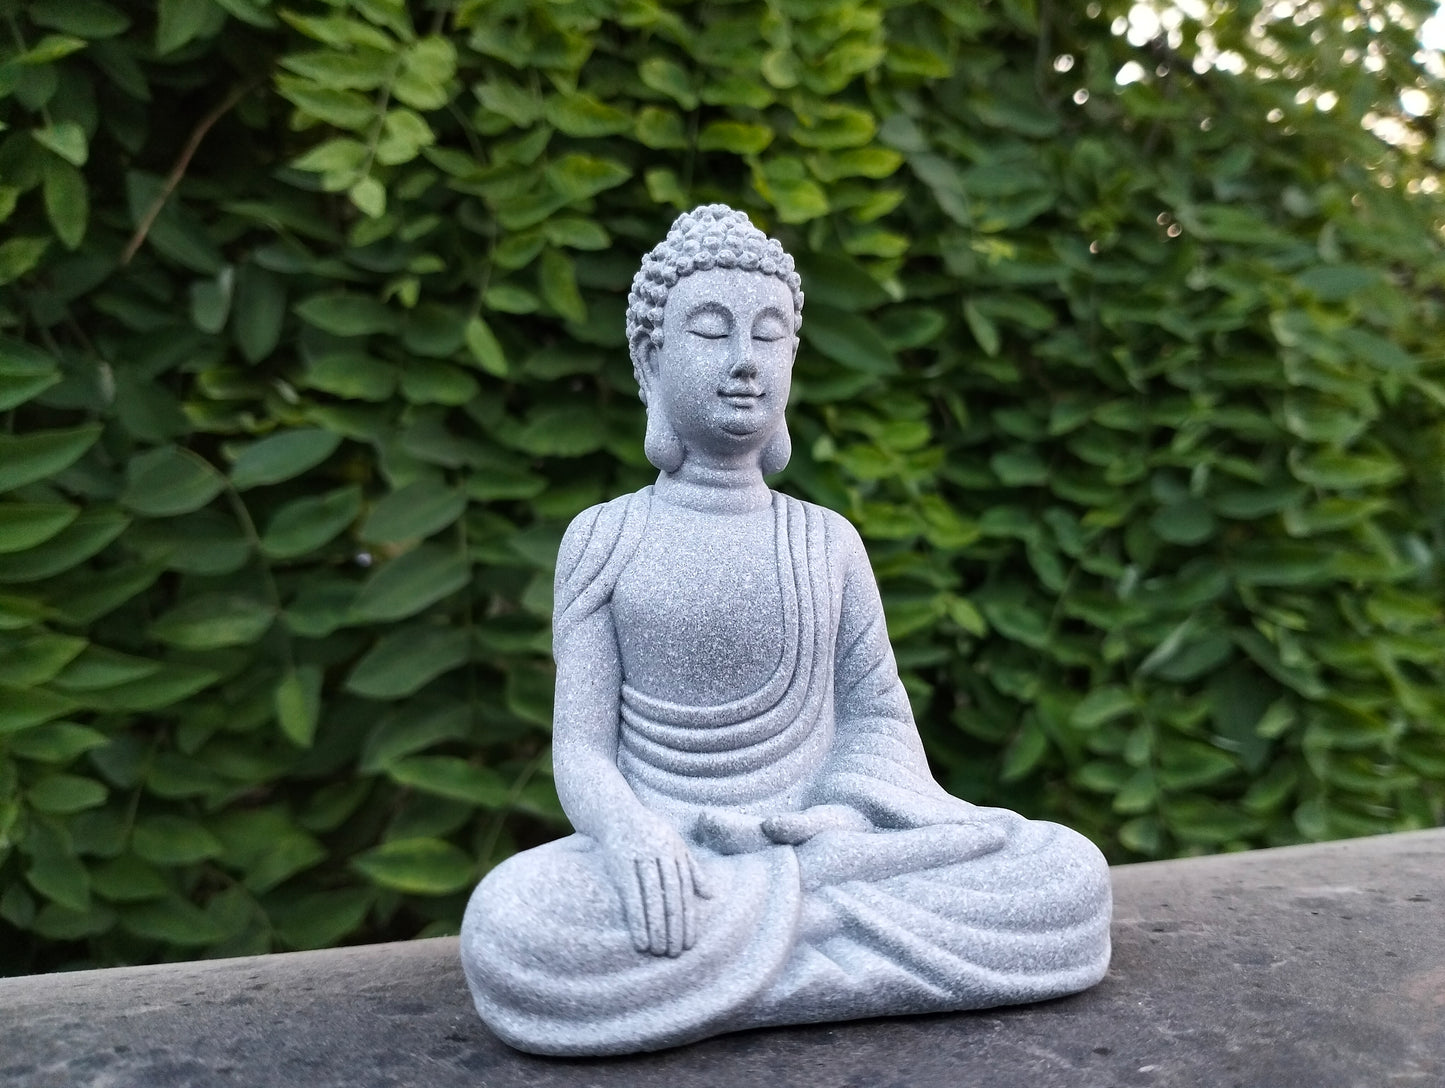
699	611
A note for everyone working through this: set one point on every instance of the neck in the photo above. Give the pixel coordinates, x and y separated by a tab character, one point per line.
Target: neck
727	488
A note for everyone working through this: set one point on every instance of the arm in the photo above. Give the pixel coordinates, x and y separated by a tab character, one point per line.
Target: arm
877	764
655	875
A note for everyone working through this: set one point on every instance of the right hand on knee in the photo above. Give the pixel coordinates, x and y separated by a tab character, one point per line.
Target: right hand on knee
659	881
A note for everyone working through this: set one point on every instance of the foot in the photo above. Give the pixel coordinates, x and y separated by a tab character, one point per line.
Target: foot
726	832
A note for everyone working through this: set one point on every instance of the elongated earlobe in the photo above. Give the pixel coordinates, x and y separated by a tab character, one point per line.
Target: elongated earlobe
778	452
661	444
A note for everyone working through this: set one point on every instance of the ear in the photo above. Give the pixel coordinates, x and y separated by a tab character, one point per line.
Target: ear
778	452
644	354
661	444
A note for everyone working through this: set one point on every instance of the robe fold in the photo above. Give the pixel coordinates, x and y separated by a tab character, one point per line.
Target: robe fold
981	908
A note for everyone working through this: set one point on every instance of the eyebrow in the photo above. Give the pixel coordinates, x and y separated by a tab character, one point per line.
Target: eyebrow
703	308
773	312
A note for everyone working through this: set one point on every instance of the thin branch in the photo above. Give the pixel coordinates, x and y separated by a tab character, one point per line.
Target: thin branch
178	171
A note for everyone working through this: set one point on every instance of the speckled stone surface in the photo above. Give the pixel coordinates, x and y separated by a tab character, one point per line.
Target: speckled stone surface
759	838
1307	967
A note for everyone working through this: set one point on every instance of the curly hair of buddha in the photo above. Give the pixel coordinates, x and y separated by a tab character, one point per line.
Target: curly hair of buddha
709	236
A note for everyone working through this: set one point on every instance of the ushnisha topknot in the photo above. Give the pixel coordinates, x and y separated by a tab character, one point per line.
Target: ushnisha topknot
709	236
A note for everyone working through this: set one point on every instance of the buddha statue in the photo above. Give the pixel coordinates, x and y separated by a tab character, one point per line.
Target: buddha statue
759	840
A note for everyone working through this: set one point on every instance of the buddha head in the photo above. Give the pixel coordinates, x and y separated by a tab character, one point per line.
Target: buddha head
712	326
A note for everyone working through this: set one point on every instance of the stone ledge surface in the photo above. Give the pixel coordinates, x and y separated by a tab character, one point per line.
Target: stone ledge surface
1311	966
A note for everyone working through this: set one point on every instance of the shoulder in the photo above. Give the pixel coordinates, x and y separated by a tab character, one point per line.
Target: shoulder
843	542
599	527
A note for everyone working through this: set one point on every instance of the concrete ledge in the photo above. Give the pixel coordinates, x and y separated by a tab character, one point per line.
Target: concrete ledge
1316	966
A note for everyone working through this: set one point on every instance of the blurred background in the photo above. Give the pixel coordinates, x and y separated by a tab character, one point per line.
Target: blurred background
1123	348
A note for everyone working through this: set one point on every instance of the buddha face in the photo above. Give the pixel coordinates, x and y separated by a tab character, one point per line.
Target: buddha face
724	370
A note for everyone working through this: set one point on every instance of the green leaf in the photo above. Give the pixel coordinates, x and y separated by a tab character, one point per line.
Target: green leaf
848	339
213	620
484	347
66	139
84	18
344	314
306	524
557	277
560	430
127	879
67	205
66	794
320	919
49	49
427	67
180	21
1101	705
660	129
422	866
737	137
421	508
340	155
1331	283
665	77
407	730
283	455
1378	352
169	841
839	282
1207	822
1188	522
578	114
298	704
1338	470
982	327
36	658
410	583
26	458
427	382
352	375
56	742
1025	753
168	481
1020	466
577	177
16	389
453	778
62	878
796	199
1188	764
169	684
26	524
175	921
19	255
87	535
369	196
406	660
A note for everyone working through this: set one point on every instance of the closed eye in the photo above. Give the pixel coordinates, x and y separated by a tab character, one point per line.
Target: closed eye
768	328
710	323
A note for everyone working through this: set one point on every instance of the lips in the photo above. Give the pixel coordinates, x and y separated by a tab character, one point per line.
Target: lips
740	395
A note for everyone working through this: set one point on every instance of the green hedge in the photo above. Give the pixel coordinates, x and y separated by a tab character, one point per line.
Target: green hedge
313	343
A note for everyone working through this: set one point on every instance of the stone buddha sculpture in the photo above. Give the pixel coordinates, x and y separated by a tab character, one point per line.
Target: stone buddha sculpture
759	838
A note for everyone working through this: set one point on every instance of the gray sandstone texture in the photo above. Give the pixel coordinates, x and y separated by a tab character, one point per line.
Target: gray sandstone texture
759	839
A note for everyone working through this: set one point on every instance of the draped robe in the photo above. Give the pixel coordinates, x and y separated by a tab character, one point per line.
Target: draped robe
791	934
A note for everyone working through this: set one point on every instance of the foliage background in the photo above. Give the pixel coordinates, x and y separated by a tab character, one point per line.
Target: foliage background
1123	349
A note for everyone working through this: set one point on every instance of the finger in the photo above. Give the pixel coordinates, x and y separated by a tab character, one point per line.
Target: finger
671	904
789	829
700	882
633	909
689	904
649	883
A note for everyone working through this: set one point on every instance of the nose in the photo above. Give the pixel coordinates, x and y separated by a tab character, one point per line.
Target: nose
744	365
